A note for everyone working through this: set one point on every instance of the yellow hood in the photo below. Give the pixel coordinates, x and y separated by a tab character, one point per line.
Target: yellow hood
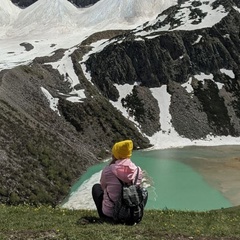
122	149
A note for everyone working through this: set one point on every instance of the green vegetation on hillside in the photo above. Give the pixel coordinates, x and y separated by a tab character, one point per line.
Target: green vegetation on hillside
26	222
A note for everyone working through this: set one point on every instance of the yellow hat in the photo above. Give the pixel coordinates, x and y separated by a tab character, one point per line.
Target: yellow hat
122	149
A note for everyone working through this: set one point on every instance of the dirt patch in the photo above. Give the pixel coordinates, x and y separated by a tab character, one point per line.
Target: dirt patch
233	163
32	235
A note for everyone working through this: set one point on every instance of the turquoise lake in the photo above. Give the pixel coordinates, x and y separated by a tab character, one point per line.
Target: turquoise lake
190	178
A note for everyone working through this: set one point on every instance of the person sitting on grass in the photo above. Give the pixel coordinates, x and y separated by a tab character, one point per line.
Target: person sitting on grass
109	189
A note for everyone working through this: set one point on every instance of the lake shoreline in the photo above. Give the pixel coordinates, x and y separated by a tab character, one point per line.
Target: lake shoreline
207	161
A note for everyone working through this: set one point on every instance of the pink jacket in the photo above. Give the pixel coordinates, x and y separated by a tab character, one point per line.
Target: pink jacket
126	171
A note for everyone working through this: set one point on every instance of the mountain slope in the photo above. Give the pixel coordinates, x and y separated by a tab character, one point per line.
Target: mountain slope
60	16
57	146
199	67
190	15
123	12
44	16
70	86
8	12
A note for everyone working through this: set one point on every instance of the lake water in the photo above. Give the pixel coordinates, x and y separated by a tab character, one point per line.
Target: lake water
190	178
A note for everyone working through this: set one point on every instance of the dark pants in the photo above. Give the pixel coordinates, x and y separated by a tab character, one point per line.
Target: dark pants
97	194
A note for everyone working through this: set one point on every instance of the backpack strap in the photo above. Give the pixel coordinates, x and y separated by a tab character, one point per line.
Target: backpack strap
136	178
133	182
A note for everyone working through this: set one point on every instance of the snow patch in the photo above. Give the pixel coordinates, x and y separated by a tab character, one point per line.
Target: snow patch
208	18
229	73
8	13
188	85
81	198
65	68
198	40
53	102
123	90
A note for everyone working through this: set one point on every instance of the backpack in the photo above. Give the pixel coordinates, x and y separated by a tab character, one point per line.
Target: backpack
128	209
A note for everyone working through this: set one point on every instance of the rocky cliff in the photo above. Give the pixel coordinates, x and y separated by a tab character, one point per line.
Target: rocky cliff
176	58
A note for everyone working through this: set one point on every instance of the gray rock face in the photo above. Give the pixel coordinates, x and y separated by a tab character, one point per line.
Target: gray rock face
172	58
144	108
83	3
188	117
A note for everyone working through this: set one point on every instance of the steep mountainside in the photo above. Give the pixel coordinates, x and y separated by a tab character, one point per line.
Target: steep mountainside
8	12
206	60
56	149
61	113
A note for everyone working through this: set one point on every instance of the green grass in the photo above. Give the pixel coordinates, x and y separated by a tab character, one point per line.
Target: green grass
26	222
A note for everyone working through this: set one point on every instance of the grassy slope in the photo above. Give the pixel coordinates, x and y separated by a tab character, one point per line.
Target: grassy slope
25	222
